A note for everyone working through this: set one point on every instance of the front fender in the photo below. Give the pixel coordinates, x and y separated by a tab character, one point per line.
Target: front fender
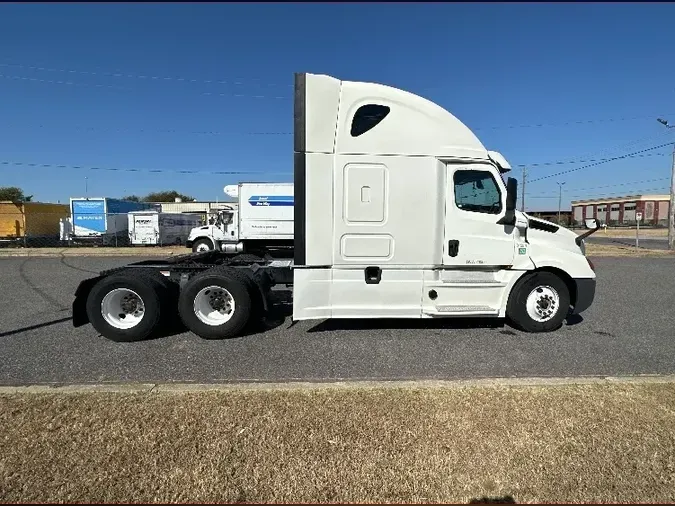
575	266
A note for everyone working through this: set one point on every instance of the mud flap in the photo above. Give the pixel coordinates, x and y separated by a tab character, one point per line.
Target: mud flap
79	306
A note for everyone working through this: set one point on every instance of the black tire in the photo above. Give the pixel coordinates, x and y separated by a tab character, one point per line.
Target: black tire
516	309
238	286
157	296
202	242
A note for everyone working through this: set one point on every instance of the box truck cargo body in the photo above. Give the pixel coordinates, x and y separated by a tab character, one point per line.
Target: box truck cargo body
102	219
36	223
155	228
265	211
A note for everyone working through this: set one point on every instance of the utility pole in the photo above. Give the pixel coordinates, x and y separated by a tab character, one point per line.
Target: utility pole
560	185
86	186
522	198
671	207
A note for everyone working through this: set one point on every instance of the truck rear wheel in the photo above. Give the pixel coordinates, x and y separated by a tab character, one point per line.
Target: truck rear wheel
201	245
538	303
216	304
129	306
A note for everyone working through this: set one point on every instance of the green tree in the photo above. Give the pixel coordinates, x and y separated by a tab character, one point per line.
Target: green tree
132	198
167	196
14	194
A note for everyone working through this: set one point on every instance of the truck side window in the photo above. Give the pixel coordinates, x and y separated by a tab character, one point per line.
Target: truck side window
367	117
477	191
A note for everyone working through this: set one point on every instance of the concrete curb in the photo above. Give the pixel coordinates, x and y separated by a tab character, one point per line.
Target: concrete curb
254	385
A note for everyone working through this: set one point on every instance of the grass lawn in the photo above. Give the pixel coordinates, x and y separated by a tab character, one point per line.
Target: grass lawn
563	443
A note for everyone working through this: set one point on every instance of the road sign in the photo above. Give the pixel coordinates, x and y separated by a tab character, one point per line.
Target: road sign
638	216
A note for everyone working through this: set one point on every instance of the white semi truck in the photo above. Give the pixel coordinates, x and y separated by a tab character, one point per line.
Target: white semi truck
457	248
261	222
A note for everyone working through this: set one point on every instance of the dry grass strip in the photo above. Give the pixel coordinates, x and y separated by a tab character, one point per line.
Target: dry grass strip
565	443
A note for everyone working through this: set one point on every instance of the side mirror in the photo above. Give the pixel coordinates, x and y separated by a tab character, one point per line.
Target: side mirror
511	194
511	199
592	223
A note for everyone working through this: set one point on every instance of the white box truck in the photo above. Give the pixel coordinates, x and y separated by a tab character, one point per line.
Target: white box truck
458	248
100	220
161	229
261	222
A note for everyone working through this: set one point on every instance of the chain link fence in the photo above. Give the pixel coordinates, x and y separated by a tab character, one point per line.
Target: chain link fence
38	225
42	225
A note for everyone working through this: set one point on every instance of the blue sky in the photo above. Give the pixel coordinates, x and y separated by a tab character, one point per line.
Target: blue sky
498	67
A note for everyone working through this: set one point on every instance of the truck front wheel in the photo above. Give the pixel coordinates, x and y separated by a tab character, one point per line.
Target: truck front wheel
216	304
538	303
202	245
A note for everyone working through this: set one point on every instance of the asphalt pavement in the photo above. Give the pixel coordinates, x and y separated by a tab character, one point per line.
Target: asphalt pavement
644	242
629	330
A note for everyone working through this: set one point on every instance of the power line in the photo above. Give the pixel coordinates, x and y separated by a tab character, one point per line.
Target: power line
607	186
277	97
235	82
146	130
573	161
242	82
94	85
112	169
614	194
69	83
221	133
568	123
601	196
606	150
192	171
600	162
634	143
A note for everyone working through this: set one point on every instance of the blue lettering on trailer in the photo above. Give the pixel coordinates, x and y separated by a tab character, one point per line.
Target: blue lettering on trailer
271	200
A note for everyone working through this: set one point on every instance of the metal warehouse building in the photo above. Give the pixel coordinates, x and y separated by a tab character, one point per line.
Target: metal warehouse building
621	210
193	207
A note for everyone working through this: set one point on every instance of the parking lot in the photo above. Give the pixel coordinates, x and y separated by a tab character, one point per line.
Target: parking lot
627	331
655	243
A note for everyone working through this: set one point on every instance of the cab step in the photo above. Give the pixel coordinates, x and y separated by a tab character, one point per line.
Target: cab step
461	310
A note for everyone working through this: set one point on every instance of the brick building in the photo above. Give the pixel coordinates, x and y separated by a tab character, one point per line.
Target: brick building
617	211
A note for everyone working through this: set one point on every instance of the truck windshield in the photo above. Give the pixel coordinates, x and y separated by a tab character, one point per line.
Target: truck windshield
225	218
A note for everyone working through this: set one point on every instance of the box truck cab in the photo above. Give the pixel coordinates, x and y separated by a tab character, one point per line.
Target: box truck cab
399	211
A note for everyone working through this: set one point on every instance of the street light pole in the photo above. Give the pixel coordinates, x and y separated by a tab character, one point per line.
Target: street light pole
671	206
560	185
522	203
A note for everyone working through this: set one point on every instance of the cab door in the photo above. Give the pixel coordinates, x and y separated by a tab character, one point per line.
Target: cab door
474	208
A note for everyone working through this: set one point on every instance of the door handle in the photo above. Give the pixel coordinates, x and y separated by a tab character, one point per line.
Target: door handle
373	275
453	248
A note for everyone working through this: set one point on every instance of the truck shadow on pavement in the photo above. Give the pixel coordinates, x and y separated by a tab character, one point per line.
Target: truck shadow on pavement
409	324
34	327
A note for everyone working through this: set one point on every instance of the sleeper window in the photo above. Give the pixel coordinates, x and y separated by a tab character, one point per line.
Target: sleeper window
367	117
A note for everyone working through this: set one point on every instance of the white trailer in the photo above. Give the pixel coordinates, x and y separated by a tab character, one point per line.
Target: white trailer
458	248
262	221
161	229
